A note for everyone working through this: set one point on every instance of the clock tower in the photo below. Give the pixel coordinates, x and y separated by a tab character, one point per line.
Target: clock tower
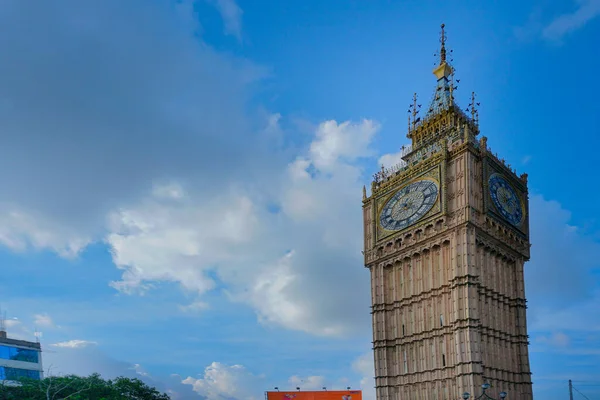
446	237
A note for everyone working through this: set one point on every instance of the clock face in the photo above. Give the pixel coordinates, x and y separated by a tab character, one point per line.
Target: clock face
408	205
506	200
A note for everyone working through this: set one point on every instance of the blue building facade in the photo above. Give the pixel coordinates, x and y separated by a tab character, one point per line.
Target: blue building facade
19	359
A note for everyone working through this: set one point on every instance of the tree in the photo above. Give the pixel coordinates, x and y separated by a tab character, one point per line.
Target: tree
72	387
135	389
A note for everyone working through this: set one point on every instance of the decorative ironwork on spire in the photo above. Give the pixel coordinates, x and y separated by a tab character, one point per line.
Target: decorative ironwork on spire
443	46
473	109
443	97
443	117
413	111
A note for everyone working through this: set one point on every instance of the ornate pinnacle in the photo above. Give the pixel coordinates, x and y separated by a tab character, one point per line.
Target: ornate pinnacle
413	110
443	69
443	46
452	87
483	143
473	109
524	178
364	192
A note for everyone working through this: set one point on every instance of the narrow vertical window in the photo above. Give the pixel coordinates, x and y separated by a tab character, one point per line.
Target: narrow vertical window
403	332
441	320
405	363
443	353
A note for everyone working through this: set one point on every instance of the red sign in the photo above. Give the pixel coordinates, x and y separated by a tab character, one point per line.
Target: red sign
316	395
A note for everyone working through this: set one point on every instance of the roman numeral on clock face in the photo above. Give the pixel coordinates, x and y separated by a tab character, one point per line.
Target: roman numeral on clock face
505	199
409	205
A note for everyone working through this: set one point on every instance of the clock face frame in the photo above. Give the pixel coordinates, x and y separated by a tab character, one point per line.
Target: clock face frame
409	204
506	200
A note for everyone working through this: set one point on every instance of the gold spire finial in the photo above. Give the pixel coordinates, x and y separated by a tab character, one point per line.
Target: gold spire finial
443	48
443	69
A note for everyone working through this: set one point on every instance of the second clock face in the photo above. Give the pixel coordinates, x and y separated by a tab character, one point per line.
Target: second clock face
506	200
408	205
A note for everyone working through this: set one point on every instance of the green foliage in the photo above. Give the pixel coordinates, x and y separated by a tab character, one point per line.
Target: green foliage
74	387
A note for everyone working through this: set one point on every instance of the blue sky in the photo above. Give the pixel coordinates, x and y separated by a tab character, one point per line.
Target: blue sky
182	180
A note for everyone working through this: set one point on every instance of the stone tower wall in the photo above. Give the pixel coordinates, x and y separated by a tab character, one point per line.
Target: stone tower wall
448	297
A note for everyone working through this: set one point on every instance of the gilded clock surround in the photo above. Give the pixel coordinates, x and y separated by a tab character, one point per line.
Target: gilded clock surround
414	207
433	174
491	166
448	299
501	190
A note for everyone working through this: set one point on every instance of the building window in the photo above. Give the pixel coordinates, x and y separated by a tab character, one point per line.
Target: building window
443	360
441	320
405	363
403	331
18	354
13	374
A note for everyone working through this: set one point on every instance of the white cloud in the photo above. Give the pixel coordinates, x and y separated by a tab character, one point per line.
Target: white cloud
195	307
139	370
155	136
12	323
130	95
221	381
285	264
365	366
562	259
560	283
566	23
17	330
232	16
390	160
43	320
337	143
21	230
74	344
179	240
171	190
268	295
